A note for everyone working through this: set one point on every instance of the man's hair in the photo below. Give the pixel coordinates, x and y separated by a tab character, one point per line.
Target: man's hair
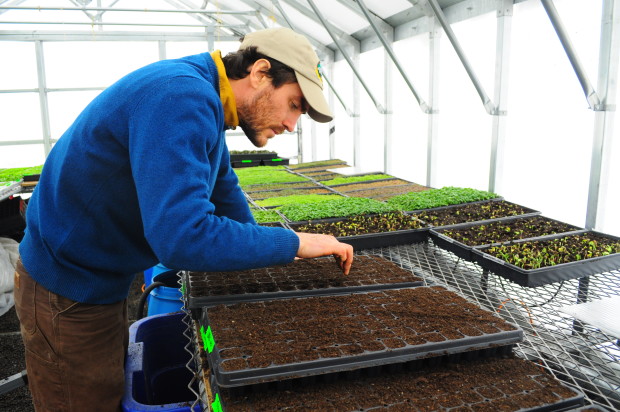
237	65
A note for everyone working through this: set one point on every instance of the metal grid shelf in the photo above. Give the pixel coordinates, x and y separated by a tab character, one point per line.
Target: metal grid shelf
575	353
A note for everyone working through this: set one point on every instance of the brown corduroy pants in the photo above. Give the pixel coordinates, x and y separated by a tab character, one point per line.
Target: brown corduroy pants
75	352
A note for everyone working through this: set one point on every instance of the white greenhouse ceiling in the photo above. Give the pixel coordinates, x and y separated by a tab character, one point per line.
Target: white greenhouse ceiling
330	24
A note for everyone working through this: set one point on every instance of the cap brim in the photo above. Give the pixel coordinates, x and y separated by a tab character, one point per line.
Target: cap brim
319	109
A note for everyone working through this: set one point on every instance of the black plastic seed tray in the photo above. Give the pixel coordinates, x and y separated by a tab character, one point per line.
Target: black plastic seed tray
245	163
442	387
550	274
276	161
464	251
456	210
257	342
253	156
372	240
304	277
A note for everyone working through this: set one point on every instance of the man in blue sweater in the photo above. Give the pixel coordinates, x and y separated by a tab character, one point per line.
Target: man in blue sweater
143	176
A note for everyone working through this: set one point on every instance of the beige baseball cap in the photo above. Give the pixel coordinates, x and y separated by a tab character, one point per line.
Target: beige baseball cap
295	51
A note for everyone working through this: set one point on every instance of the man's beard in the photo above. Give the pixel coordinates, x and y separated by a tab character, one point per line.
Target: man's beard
254	115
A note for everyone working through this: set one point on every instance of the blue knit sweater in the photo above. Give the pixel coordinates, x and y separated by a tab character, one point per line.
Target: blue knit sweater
143	176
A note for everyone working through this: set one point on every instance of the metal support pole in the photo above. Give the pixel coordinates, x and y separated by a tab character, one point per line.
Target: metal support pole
162	49
327	27
433	99
392	55
387	98
591	96
43	103
486	101
609	60
502	60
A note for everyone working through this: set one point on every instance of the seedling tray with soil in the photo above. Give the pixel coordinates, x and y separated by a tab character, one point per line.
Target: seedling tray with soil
368	184
385	192
255	342
460	239
369	231
486	385
304	277
326	163
288	192
472	212
277	186
549	259
237	156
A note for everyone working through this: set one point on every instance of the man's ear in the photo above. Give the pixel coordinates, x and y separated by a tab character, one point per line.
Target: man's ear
258	72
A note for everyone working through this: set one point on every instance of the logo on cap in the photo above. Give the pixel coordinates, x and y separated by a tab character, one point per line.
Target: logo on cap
318	72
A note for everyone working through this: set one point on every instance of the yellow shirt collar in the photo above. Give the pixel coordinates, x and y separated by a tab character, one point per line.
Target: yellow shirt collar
226	93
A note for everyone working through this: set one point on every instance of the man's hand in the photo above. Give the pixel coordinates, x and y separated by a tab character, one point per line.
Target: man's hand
313	245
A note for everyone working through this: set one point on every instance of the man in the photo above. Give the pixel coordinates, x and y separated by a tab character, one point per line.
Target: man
143	176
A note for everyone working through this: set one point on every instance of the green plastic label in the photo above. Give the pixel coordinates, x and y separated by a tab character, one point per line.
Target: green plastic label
207	339
276	160
246	161
216	406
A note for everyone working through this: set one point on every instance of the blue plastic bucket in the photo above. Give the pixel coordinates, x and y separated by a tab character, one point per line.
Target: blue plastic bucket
150	273
156	377
165	299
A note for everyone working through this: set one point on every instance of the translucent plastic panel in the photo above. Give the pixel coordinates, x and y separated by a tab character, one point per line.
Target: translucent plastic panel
21	156
64	107
372	122
94	64
19	65
20	117
550	128
464	135
343	80
609	219
407	151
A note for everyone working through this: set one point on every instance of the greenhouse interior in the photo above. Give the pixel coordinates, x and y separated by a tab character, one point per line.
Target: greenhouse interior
485	249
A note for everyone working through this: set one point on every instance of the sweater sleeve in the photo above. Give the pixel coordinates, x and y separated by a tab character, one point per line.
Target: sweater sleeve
174	137
227	196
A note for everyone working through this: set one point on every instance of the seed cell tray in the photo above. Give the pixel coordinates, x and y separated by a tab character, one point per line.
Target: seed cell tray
257	342
276	161
468	212
372	240
490	384
253	156
245	163
303	277
550	274
465	251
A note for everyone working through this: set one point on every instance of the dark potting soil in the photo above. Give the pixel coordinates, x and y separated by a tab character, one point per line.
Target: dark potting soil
302	274
326	176
388	191
491	385
275	186
310	170
362	224
290	331
287	192
564	249
500	232
471	212
361	185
